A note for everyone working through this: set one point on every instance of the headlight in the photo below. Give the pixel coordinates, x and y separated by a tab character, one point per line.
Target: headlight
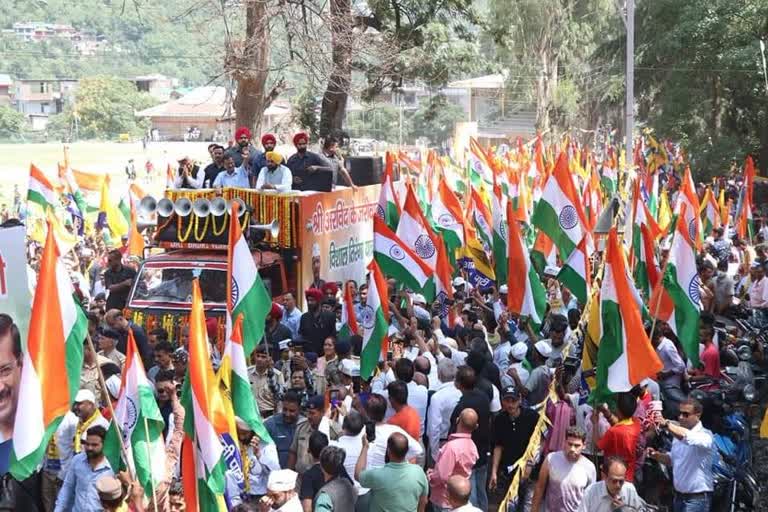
750	393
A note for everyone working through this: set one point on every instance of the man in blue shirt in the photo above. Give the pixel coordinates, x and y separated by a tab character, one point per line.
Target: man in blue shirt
282	427
291	314
232	176
79	489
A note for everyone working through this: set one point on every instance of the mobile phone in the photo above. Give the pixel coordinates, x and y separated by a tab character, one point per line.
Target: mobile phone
335	398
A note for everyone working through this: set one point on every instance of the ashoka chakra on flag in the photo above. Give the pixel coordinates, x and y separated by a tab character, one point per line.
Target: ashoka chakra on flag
568	218
694	289
367	317
380	212
424	247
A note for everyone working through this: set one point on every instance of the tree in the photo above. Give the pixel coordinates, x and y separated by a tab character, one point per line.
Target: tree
248	62
434	120
104	107
336	93
699	78
12	123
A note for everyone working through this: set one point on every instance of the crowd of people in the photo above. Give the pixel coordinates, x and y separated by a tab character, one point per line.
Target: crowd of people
446	417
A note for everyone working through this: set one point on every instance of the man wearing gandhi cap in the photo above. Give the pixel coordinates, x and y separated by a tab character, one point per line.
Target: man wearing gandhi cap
281	494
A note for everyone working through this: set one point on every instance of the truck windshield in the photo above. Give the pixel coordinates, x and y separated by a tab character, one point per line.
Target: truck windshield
175	284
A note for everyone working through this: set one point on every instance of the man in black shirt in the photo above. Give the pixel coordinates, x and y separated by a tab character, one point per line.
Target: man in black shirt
115	320
242	141
303	162
214	168
472	398
512	431
315	325
275	331
118	279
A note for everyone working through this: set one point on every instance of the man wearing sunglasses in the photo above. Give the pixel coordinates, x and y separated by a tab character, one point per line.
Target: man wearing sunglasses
690	458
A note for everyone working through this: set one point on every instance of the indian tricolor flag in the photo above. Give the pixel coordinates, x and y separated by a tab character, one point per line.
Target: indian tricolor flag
414	230
396	259
140	422
349	324
478	161
442	280
647	273
527	296
499	207
389	206
40	189
482	220
626	356
203	463
51	363
374	321
543	253
688	202
710	211
448	218
640	216
576	273
559	212
246	293
677	299
233	375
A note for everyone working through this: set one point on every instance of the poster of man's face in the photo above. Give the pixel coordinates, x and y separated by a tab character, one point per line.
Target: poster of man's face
10	374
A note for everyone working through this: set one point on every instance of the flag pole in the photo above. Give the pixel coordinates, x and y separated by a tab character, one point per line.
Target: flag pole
149	457
104	390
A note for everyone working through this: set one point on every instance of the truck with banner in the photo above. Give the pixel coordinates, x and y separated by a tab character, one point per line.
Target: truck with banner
296	238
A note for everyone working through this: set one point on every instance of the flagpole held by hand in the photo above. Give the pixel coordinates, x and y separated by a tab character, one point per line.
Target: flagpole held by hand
149	458
105	391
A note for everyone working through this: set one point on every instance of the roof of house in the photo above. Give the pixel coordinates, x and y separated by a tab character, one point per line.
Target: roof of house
495	81
207	101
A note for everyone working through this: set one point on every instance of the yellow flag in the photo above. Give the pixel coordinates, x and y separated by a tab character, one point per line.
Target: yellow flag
115	219
665	212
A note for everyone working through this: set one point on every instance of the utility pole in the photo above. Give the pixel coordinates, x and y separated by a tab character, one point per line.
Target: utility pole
630	77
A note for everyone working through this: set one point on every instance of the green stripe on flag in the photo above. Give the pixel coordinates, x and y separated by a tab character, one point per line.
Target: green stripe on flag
36	197
392	268
611	347
686	315
546	219
575	282
254	307
371	351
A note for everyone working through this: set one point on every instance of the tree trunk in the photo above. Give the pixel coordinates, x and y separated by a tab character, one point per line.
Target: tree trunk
334	104
251	75
717	108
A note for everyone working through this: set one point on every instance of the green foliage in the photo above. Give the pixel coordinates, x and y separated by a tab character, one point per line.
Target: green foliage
104	107
378	122
12	123
143	37
305	111
699	78
434	120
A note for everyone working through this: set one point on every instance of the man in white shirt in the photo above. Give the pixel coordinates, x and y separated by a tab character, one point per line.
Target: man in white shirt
459	490
274	176
441	406
691	459
351	441
231	177
670	377
377	449
613	492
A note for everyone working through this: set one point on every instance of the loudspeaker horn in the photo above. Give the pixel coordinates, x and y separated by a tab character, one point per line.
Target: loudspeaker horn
241	210
165	207
218	206
201	207
147	206
273	227
183	207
